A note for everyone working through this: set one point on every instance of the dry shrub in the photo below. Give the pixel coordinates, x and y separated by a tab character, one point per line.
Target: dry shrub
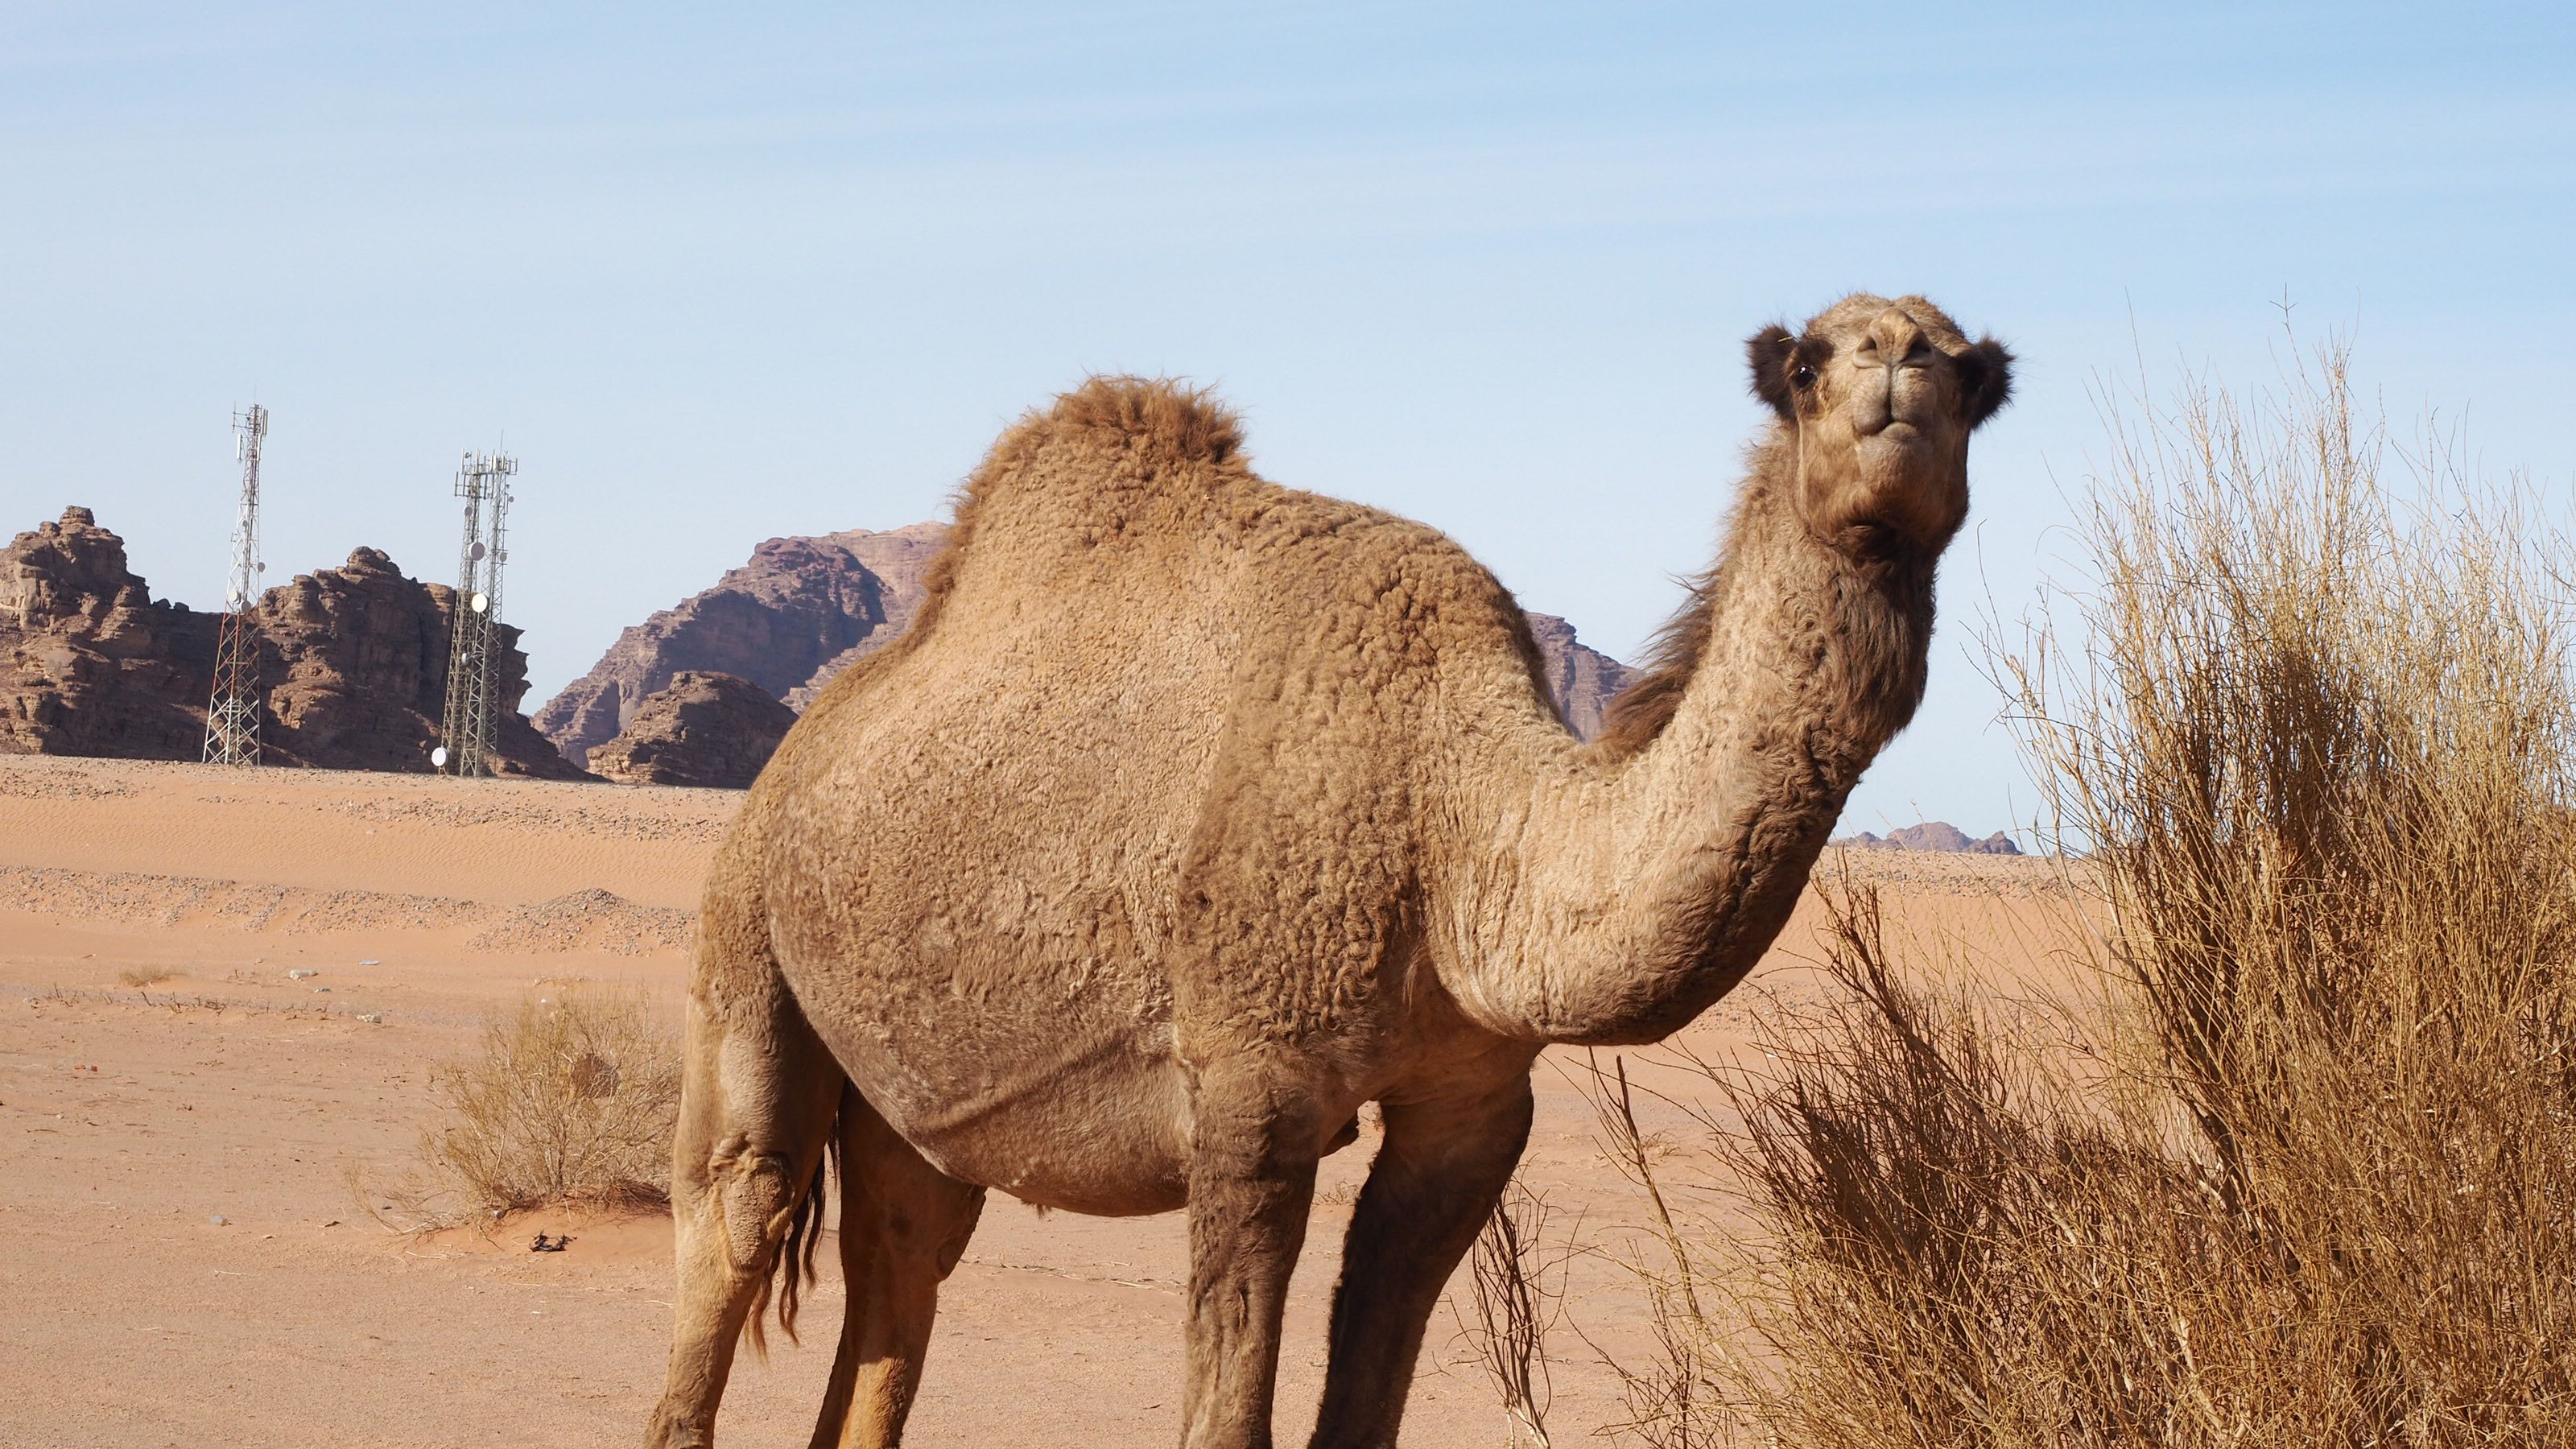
1682	1395
570	1100
1517	1291
2317	737
1965	1247
142	976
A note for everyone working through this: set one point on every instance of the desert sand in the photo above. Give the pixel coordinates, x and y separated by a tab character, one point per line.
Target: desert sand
194	1242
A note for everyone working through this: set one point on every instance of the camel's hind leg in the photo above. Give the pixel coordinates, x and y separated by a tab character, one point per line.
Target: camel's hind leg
903	1226
757	1097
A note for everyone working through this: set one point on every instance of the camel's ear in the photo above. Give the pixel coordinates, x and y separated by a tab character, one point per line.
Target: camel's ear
1774	355
1985	375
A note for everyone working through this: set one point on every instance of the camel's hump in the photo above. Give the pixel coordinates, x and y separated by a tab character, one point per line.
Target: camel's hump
1131	459
1117	458
1166	419
1128	479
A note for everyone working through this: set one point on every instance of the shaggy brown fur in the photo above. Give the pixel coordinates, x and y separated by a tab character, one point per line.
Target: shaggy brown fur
1122	927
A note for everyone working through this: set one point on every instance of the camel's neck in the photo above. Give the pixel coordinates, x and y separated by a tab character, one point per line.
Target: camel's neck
1626	895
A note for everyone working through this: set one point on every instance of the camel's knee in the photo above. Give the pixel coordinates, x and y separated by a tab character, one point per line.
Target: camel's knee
753	1196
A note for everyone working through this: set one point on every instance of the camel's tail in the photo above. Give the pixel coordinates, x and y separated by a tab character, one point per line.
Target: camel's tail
793	1269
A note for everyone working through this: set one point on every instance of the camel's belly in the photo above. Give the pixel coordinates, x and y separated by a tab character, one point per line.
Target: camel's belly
972	897
1068	1100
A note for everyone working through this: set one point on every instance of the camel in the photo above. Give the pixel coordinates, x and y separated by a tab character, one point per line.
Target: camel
1194	812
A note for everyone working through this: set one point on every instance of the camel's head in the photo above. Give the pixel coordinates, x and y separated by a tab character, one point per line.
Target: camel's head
1880	397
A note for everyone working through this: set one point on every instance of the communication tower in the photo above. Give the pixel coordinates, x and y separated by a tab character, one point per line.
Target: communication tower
474	638
232	716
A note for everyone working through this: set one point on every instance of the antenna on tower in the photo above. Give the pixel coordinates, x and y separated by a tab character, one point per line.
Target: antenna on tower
474	633
232	716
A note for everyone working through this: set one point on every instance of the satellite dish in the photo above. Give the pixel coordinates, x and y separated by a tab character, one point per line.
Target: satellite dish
263	568
438	758
476	552
232	602
481	603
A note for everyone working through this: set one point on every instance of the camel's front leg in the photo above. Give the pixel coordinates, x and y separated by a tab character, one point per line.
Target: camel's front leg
757	1097
1252	1178
1434	1183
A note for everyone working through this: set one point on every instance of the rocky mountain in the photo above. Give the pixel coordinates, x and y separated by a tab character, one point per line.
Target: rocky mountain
1931	835
360	673
801	610
1580	678
700	729
797	613
352	660
89	664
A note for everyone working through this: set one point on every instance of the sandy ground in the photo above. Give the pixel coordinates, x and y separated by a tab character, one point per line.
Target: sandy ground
190	1251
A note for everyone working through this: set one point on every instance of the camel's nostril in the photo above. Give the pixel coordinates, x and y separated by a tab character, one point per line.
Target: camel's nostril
1895	335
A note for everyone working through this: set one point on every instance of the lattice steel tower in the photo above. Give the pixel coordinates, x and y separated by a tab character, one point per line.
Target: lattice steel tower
474	639
232	716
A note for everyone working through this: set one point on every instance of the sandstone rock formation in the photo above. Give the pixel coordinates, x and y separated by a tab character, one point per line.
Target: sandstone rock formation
801	610
352	661
797	613
1582	679
1931	835
703	728
362	652
89	665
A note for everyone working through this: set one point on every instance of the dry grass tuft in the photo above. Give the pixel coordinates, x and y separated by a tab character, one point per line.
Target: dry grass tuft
1681	1396
1965	1248
571	1100
1517	1296
139	977
2319	738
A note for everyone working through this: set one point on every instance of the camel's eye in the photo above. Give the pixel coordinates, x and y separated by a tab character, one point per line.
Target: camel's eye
1803	378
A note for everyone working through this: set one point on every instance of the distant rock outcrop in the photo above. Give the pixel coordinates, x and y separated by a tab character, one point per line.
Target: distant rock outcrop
89	665
801	610
1582	679
352	662
702	728
363	655
797	613
1932	835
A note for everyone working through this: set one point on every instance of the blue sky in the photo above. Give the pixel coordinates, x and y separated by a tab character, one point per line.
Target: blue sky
788	270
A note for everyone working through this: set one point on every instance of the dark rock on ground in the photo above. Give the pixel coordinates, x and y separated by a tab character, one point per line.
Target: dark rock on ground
702	728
